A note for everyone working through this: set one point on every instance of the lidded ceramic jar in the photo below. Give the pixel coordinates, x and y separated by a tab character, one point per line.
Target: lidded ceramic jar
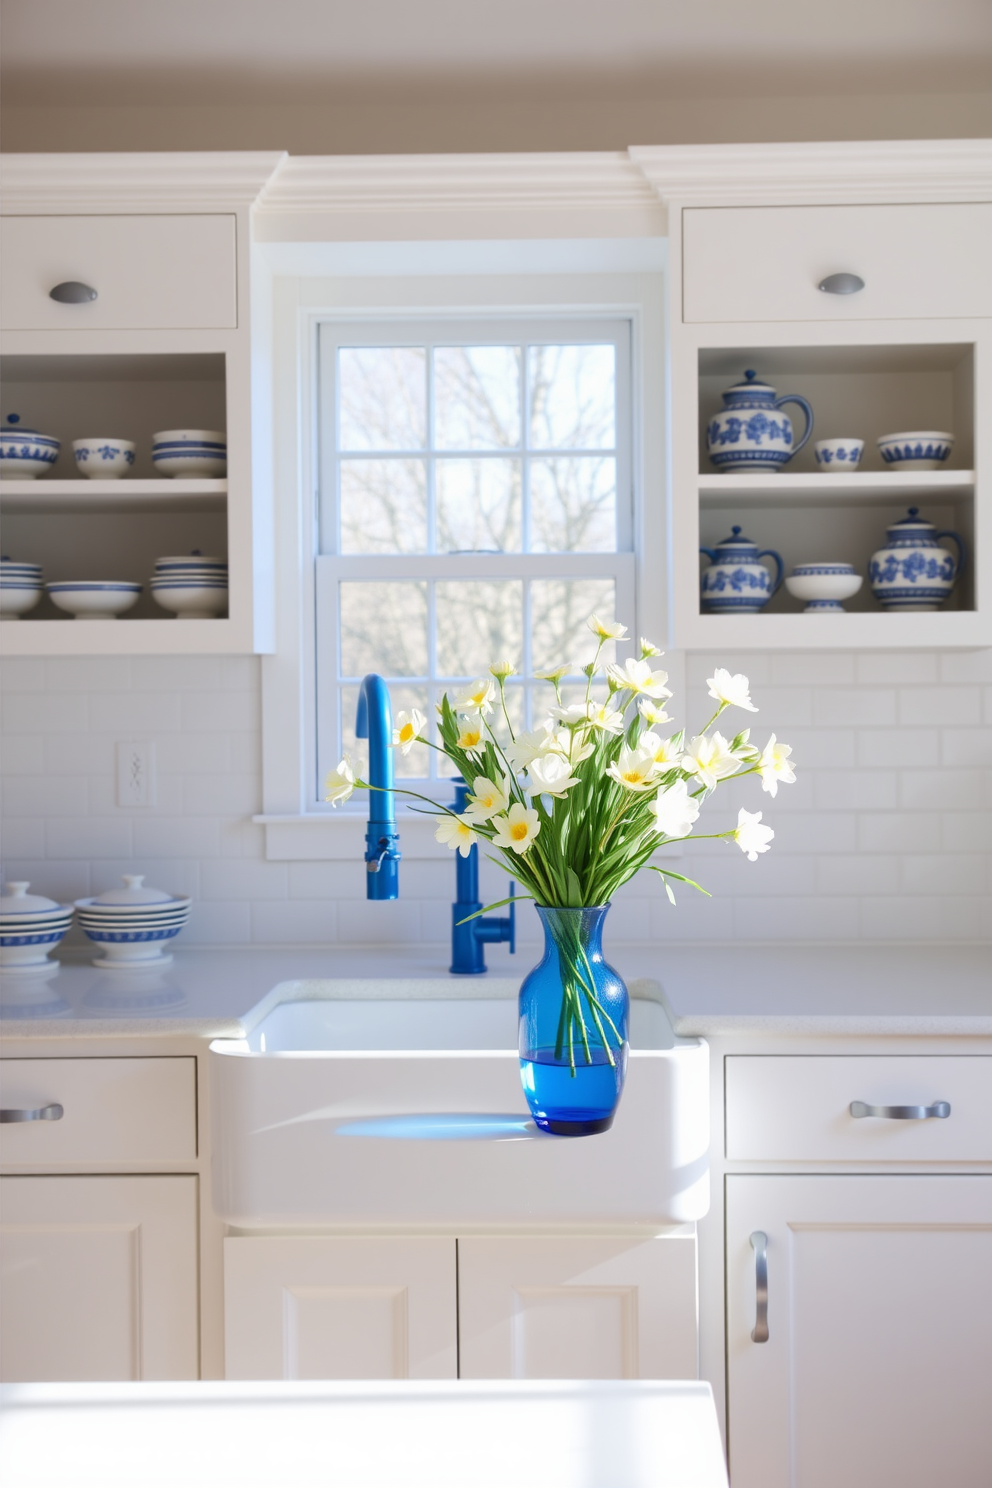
25	453
737	581
912	571
751	432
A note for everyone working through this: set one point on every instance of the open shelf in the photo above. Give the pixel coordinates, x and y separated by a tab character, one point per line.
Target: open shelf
125	636
731	492
62	497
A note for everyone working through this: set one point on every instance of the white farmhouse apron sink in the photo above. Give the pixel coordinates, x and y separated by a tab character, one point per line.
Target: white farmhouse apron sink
377	1103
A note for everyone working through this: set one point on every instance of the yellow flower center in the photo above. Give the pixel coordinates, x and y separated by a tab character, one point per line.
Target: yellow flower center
633	776
407	733
518	831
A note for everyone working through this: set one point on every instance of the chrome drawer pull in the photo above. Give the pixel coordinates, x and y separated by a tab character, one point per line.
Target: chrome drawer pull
842	284
759	1244
939	1110
43	1113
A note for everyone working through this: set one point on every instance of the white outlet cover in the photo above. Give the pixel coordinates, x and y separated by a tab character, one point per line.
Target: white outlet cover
135	772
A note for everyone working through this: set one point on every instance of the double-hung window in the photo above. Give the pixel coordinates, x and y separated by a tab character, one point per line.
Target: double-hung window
475	505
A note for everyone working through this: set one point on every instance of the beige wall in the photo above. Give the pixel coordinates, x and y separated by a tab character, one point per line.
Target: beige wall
381	124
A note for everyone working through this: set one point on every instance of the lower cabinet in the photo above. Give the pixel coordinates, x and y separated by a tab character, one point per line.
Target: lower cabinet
300	1307
877	1367
98	1278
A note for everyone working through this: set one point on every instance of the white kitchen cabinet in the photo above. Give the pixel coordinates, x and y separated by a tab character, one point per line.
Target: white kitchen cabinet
570	1307
302	1307
98	1278
877	1368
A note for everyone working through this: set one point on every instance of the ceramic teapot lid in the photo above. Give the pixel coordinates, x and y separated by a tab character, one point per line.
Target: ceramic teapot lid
19	901
735	541
752	384
132	893
913	522
16	428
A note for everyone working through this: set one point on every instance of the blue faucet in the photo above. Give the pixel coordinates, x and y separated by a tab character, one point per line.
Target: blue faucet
382	840
468	941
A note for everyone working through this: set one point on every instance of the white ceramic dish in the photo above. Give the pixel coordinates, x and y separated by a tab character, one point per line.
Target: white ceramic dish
24	453
838	454
17	599
189	454
191	601
925	449
93	600
135	894
103	459
189	560
824	585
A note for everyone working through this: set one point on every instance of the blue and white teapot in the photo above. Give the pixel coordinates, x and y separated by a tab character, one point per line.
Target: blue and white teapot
751	432
737	582
913	572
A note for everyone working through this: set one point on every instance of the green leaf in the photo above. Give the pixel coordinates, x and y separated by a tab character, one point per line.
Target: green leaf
574	889
513	899
667	873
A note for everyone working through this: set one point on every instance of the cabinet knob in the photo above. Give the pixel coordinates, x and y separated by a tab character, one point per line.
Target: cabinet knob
72	293
842	284
939	1111
53	1112
759	1244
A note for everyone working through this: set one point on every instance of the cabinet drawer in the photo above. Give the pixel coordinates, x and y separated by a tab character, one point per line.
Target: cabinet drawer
150	273
797	1109
765	263
116	1112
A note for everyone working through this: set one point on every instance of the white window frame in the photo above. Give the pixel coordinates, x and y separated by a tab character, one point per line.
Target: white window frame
540	280
331	567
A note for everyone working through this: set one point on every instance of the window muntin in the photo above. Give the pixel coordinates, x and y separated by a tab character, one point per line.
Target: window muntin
475	503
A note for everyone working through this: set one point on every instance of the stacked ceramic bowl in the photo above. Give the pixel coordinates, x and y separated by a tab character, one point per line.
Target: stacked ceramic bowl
30	926
24	453
21	587
131	925
190	454
192	587
94	599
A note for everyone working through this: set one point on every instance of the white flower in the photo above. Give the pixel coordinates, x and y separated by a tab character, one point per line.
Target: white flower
649	649
408	726
674	811
637	676
526	747
573	715
477	697
732	691
663	751
602	716
775	765
517	829
502	669
750	835
555	674
575	746
635	769
709	759
470	734
340	782
652	712
550	776
607	631
457	832
487	798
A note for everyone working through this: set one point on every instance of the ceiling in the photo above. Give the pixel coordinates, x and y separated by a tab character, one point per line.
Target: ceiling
117	52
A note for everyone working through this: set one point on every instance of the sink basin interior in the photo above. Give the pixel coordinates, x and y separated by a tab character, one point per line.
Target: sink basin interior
418	1025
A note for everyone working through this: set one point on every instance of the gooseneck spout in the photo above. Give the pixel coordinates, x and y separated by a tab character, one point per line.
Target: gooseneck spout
382	840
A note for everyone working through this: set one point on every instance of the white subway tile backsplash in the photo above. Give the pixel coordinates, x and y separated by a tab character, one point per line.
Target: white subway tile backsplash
22	838
45	712
240	878
88	837
816	918
966	666
912	917
295	922
945	873
966	746
886	668
175	837
858	873
89	673
899	831
41	795
130	713
23	754
946	705
23	674
956	789
222	795
813	668
856	706
886	748
220	712
855	790
966	831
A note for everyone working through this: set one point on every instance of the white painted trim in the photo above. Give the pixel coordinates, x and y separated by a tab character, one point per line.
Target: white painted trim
160	182
465	256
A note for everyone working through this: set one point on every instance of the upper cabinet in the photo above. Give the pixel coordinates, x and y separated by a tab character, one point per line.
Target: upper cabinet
126	315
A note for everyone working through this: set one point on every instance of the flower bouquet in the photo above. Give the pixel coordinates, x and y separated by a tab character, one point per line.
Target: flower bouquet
572	810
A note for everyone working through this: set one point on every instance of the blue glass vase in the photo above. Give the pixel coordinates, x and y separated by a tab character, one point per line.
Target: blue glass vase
573	1027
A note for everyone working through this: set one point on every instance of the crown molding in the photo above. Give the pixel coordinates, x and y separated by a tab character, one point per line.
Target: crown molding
855	171
166	182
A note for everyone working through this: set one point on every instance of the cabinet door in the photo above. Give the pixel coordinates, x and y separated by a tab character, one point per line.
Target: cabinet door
565	1308
298	1307
878	1363
98	1279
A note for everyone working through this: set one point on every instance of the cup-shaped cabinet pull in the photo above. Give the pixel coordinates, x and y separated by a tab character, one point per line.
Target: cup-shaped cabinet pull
759	1244
54	1112
938	1110
72	292
842	284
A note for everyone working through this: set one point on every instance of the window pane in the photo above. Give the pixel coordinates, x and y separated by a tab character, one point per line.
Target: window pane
573	505
559	611
382	397
572	396
478	506
412	766
383	629
478	621
477	397
383	506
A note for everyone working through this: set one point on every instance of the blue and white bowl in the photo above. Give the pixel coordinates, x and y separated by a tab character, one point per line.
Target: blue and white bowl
191	598
838	454
188	563
190	454
917	450
103	459
824	585
94	599
30	925
132	924
24	453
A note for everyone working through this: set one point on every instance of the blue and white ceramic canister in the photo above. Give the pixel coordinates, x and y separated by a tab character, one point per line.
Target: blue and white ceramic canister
913	572
737	582
751	432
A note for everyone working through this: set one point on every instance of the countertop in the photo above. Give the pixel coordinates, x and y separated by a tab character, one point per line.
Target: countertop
883	989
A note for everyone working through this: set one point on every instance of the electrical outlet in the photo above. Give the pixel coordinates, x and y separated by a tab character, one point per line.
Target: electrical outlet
135	772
